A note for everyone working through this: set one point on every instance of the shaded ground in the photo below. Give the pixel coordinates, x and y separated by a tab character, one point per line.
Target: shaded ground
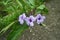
52	30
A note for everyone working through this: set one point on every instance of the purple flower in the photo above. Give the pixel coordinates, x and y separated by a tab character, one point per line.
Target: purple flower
40	18
30	20
22	18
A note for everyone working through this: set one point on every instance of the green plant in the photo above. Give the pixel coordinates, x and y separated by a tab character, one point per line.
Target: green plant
14	8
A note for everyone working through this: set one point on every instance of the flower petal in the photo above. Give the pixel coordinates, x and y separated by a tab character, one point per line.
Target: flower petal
40	18
24	16
21	21
32	18
20	16
38	21
43	17
31	24
39	15
27	20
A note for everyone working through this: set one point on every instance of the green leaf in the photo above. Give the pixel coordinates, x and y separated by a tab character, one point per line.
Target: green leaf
32	2
45	11
38	11
41	7
8	19
19	3
6	28
16	31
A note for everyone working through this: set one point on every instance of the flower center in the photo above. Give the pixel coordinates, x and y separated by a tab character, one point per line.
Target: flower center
30	20
39	18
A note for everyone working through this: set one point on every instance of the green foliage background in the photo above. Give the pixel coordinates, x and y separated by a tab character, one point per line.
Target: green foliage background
10	11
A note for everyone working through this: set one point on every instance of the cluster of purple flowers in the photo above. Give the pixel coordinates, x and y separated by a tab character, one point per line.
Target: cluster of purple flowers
31	19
